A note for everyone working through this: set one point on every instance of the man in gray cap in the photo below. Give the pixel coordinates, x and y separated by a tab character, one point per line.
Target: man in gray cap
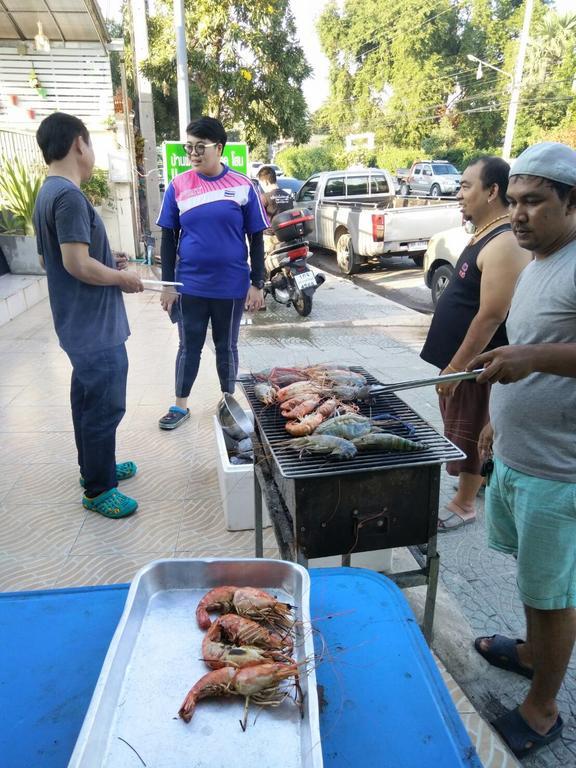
531	495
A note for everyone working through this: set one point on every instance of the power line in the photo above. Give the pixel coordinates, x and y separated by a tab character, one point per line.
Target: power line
420	116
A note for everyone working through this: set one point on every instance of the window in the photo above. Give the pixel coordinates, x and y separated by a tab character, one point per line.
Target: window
426	171
335	187
417	170
444	169
379	185
357	185
308	190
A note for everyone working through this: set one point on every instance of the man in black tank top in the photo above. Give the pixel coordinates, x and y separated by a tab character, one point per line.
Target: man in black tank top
469	318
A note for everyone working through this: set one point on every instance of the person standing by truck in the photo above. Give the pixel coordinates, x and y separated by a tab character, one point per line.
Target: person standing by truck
469	319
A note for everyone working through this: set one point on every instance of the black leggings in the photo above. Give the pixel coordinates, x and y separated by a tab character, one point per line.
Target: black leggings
224	316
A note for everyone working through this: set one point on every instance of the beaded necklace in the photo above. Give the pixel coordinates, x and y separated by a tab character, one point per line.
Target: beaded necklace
485	227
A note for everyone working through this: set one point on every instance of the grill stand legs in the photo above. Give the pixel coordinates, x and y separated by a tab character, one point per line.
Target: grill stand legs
279	516
429	561
426	555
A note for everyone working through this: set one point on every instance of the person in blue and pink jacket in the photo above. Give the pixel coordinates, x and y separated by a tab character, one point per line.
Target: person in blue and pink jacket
212	223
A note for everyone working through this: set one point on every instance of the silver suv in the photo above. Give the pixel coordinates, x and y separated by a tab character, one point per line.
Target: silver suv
434	177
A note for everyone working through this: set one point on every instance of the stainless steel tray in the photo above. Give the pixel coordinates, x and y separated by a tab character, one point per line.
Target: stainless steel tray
154	659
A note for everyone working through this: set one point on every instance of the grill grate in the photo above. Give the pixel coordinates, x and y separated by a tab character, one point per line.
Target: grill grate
291	465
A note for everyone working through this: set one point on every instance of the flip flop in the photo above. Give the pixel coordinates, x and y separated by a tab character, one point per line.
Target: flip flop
503	654
520	737
452	522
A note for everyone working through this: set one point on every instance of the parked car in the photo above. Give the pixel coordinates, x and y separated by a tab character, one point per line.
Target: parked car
441	256
289	184
429	177
355	214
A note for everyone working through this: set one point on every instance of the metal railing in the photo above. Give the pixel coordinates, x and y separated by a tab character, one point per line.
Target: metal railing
21	145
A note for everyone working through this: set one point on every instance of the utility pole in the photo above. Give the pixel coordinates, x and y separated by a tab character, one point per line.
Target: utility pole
517	80
146	112
181	69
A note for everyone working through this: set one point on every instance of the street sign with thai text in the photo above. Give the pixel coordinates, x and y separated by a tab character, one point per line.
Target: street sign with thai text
175	160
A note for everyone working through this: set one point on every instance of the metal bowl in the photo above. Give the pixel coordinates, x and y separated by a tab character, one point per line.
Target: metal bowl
232	418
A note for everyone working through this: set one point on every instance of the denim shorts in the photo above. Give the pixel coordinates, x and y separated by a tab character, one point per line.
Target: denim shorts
535	520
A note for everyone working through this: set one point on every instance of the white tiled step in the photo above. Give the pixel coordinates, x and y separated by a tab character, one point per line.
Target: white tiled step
20	292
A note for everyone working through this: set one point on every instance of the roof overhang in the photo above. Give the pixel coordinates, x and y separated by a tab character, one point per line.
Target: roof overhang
63	21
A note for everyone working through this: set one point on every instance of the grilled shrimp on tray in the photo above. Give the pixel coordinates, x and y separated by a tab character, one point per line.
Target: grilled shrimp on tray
259	683
252	603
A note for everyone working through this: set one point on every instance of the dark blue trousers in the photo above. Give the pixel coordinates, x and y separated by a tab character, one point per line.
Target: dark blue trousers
98	399
194	315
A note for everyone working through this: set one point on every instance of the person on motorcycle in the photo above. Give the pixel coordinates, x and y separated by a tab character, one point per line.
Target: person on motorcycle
274	199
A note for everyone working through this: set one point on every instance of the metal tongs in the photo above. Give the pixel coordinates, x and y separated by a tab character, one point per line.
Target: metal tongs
378	389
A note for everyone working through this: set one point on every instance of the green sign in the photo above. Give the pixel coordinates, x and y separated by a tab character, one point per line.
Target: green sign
175	159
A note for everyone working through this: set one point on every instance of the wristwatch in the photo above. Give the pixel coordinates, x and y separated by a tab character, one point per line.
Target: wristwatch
258	284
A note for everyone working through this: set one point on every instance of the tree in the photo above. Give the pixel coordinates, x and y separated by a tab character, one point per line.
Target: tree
246	67
548	98
400	69
386	61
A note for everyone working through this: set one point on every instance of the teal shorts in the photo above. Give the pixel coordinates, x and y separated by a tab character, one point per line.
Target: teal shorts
535	520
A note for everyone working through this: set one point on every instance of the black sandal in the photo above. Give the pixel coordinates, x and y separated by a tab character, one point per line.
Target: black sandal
520	737
502	653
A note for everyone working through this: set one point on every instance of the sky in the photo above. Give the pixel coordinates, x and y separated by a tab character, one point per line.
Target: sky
306	13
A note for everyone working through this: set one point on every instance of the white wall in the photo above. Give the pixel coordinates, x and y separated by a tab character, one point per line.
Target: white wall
77	80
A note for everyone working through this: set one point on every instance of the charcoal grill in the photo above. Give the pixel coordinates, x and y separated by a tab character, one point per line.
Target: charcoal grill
321	506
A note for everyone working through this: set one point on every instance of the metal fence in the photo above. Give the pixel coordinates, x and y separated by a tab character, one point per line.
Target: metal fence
21	145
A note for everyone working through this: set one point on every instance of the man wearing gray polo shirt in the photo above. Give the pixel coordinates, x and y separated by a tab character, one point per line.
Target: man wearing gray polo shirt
531	496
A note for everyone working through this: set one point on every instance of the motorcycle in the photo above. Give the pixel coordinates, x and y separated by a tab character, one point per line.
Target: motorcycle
289	279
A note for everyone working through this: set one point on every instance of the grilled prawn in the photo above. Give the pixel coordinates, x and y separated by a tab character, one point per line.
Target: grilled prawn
245	601
239	630
325	444
260	683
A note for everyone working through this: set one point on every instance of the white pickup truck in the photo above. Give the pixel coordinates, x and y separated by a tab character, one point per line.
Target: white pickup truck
355	214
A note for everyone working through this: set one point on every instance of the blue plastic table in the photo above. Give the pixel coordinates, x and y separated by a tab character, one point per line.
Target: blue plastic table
383	702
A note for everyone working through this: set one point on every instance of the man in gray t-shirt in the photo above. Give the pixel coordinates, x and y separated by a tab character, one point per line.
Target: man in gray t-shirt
531	493
85	286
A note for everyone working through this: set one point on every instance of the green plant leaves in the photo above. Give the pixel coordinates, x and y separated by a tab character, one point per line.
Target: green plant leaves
19	187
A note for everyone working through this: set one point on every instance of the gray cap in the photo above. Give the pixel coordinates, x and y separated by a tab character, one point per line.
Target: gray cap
549	160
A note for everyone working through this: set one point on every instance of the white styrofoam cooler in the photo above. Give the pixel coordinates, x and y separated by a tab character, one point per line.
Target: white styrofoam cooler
236	487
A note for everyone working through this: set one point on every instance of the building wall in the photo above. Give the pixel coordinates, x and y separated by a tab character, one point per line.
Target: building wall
77	79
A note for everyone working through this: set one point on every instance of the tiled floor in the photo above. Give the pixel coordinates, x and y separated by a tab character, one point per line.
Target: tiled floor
47	539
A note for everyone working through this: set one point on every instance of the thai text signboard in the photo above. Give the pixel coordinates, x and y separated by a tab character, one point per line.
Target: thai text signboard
175	160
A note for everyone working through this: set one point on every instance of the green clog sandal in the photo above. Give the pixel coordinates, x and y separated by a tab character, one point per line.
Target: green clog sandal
111	503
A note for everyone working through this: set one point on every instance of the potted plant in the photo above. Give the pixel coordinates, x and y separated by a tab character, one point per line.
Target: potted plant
19	187
97	189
